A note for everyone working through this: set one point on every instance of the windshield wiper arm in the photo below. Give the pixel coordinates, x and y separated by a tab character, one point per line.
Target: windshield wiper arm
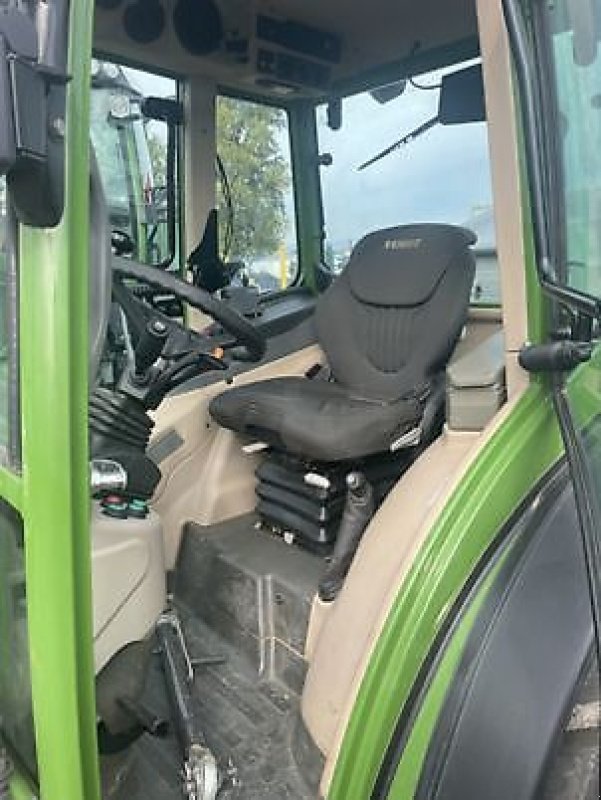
408	137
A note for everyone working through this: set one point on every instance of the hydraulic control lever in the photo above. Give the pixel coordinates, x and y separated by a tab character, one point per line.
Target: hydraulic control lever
358	511
149	348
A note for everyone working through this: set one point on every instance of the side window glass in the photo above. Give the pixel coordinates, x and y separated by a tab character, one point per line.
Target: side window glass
575	32
131	152
255	197
9	368
4	255
16	724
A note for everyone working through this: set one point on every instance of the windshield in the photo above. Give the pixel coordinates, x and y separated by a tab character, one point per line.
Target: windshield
131	152
443	175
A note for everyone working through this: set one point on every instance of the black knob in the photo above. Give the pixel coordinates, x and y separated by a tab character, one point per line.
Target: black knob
150	346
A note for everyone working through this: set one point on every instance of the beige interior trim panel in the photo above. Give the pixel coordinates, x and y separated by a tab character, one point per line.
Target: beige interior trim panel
506	184
128	581
342	635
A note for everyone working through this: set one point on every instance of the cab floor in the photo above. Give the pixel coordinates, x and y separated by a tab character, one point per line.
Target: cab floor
252	724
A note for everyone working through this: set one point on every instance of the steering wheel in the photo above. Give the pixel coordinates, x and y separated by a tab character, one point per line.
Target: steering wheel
243	332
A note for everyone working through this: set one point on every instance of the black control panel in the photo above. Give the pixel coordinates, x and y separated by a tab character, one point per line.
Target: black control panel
292	70
295	55
300	38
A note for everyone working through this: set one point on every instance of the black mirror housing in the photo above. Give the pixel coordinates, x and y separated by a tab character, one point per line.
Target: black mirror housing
17	39
32	114
462	97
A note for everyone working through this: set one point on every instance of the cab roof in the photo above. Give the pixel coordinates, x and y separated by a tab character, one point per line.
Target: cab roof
288	48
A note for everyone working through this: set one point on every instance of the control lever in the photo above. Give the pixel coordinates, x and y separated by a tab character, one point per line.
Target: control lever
358	511
202	777
149	348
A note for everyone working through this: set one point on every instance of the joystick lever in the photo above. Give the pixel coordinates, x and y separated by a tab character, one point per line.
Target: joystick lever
358	511
149	347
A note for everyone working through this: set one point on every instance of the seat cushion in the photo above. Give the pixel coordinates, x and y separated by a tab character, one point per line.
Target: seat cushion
315	419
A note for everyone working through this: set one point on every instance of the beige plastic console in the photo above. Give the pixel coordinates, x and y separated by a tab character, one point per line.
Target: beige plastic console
476	379
128	581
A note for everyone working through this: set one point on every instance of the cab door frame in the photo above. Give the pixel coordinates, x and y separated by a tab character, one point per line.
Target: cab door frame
51	490
556	359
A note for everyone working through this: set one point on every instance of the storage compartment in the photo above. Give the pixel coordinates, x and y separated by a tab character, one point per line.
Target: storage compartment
128	577
476	380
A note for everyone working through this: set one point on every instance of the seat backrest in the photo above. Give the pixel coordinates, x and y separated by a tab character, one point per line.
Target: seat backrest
389	323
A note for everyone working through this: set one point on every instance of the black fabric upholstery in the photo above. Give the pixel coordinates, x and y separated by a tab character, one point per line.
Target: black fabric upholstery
314	418
382	350
388	326
406	263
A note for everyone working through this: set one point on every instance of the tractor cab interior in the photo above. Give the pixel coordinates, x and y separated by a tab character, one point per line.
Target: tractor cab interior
306	300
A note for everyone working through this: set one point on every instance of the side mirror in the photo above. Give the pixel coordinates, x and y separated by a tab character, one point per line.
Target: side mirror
32	112
462	97
17	39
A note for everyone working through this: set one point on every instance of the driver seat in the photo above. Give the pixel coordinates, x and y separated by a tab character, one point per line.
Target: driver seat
387	326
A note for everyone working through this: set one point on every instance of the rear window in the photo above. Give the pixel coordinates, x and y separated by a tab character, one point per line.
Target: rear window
442	175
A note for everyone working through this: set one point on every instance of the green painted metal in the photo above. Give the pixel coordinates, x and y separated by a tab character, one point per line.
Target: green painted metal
55	493
516	456
21	789
408	774
136	186
11	488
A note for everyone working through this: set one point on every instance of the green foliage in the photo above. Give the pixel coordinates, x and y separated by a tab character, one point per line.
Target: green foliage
249	139
157	150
